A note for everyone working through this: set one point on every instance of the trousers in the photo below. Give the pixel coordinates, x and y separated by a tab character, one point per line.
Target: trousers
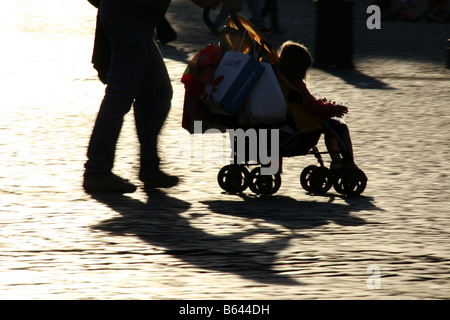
137	79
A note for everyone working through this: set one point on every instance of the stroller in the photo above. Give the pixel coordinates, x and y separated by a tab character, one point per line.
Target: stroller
236	177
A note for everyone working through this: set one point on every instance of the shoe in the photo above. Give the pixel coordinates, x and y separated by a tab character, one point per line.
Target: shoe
337	165
109	183
161	180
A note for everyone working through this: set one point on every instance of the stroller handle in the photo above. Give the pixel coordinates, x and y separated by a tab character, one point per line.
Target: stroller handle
207	19
214	29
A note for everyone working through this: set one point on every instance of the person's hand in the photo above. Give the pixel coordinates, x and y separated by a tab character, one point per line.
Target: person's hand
341	110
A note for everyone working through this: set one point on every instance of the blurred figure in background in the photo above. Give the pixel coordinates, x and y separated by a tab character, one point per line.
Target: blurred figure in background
406	10
437	11
257	19
401	10
221	18
271	8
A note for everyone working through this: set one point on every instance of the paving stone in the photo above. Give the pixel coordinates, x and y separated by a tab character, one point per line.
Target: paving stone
193	241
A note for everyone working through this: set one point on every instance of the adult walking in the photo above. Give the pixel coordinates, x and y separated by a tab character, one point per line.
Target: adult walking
137	77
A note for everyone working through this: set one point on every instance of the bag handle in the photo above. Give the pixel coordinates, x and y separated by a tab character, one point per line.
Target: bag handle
242	42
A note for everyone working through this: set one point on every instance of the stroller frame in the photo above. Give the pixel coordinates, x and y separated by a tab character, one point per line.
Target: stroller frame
315	179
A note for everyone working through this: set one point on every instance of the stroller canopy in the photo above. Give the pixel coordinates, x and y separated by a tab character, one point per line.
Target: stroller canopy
250	40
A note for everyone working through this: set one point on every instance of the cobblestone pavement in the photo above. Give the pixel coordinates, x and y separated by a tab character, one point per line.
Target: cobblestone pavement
194	241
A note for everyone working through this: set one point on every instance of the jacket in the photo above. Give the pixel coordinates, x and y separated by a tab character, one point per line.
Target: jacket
305	121
149	10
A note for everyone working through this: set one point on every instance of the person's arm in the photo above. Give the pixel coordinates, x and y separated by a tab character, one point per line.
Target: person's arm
330	109
319	107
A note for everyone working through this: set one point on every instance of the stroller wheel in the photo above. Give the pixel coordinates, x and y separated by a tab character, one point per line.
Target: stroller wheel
264	184
320	180
350	181
305	178
221	176
356	182
233	178
236	179
254	174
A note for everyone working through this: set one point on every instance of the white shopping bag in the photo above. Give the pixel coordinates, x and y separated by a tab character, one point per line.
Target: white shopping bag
234	78
265	103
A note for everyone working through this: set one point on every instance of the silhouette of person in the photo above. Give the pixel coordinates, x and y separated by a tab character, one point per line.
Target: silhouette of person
307	112
137	77
271	8
256	18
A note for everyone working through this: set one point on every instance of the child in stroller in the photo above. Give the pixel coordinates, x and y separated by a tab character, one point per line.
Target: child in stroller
308	118
306	113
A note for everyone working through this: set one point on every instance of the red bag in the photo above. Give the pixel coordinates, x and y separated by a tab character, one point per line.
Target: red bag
199	72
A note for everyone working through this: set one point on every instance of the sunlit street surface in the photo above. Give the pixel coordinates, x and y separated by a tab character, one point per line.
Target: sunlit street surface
194	241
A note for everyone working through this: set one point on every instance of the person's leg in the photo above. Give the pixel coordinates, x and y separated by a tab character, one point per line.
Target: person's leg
221	18
265	9
341	151
255	10
271	7
294	144
151	108
123	83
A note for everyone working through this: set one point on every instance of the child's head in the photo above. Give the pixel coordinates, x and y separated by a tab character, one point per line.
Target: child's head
295	60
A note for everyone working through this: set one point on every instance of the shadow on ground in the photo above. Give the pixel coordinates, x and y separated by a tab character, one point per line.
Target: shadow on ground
358	79
160	222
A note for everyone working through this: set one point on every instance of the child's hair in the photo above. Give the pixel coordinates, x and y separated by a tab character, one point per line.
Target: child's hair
295	60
